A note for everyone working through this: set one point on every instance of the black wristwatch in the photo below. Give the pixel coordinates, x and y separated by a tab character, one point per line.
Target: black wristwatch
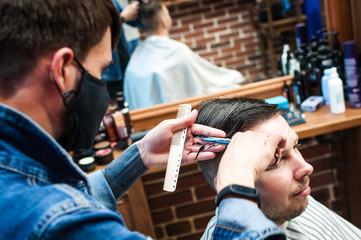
235	190
122	20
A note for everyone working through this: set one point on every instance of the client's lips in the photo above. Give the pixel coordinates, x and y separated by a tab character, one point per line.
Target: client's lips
305	191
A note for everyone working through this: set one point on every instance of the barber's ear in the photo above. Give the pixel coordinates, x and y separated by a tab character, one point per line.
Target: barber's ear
60	64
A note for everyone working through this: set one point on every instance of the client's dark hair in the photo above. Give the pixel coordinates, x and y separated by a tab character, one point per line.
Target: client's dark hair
231	115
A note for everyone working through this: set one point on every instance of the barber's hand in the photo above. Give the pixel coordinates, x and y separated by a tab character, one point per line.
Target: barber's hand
247	155
154	147
130	12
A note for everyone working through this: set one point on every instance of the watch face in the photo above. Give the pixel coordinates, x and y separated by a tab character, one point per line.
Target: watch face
238	189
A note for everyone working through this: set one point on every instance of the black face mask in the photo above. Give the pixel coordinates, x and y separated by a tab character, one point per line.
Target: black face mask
87	108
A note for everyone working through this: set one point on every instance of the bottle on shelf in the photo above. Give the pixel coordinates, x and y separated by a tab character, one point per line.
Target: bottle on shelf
352	74
119	119
124	110
297	89
285	59
304	75
315	76
324	83
324	54
285	90
301	36
279	68
110	127
336	96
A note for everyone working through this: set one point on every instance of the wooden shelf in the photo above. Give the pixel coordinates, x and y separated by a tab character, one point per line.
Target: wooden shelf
174	2
283	25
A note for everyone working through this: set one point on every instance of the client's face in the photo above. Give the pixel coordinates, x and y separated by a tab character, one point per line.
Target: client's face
284	188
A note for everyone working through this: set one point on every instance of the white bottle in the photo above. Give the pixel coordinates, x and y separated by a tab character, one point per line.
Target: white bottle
324	83
337	99
286	48
294	65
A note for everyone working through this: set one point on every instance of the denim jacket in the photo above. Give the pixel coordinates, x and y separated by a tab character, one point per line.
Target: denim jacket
44	195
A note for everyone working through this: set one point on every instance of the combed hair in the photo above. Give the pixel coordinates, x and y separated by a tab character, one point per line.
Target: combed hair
31	29
231	115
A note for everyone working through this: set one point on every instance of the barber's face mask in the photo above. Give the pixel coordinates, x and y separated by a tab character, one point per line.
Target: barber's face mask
87	108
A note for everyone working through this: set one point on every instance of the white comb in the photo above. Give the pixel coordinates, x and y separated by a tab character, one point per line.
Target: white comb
175	152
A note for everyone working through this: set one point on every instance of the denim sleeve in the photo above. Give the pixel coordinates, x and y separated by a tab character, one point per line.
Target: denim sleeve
241	219
114	180
123	171
86	223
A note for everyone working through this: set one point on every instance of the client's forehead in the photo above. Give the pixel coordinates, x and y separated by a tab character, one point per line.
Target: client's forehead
279	125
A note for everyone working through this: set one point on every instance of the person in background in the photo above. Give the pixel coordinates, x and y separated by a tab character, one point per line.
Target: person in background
113	74
52	100
284	187
163	70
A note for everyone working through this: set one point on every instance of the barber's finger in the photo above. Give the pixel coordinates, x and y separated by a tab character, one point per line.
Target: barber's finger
191	157
196	129
208	148
201	130
183	122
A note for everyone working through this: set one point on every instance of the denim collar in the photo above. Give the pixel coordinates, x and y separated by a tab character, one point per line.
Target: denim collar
31	150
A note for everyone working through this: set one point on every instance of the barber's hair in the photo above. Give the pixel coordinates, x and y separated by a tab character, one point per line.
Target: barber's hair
231	115
31	29
150	15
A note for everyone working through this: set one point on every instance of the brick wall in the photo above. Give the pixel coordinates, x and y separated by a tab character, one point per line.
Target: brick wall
184	214
221	32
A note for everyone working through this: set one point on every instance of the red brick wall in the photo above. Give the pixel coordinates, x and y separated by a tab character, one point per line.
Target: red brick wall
184	214
221	32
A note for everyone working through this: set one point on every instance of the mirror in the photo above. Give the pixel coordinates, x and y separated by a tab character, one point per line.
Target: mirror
221	32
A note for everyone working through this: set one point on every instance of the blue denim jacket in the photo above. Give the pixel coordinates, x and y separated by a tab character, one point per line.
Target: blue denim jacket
44	195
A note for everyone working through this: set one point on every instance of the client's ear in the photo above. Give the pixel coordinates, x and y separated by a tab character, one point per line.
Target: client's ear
215	183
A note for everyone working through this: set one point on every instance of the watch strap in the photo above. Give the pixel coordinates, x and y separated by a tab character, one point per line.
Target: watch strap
239	191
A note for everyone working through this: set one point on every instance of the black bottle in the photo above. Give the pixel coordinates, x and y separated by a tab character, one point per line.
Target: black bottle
315	76
324	55
123	107
279	68
285	90
304	77
297	89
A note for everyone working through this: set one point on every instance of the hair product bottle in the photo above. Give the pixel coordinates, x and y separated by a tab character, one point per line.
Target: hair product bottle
324	83
352	74
335	90
301	36
284	59
285	90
